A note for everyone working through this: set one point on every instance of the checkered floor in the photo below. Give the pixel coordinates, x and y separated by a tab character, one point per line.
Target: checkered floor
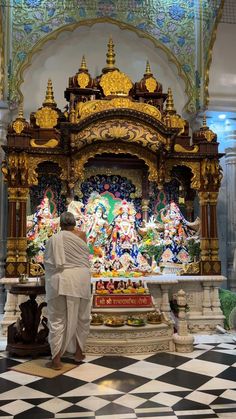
201	384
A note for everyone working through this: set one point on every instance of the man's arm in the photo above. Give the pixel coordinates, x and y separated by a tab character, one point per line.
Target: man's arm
81	235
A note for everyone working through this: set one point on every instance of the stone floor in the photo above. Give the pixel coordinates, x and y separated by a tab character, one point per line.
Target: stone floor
201	384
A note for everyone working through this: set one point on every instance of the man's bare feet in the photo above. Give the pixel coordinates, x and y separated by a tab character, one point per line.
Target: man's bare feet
80	359
79	356
53	365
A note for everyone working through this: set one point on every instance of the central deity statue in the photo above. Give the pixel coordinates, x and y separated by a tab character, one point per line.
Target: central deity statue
124	242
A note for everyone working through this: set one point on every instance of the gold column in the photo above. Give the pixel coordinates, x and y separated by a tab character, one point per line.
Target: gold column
12	226
214	242
23	194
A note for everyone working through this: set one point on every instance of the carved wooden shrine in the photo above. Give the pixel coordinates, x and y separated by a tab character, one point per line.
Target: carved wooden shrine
111	121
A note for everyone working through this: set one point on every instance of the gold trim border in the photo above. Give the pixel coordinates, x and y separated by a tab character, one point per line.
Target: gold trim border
123	26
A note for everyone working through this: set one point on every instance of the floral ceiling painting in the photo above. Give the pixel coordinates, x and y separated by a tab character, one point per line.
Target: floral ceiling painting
171	24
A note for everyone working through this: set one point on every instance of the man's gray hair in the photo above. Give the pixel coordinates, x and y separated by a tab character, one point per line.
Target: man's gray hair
67	219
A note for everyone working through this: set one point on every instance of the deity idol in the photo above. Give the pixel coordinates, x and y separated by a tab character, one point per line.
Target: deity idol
98	228
40	226
176	231
124	239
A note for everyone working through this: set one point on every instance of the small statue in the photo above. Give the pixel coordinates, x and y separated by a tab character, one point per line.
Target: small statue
110	286
129	284
121	285
97	267
100	285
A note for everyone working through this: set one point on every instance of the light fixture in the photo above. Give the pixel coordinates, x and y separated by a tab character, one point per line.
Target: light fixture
222	116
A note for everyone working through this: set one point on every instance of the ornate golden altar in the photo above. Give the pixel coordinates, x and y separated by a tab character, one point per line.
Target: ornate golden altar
111	121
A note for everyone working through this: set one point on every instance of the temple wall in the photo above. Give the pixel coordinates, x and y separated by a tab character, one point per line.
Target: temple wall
61	58
222	86
222	91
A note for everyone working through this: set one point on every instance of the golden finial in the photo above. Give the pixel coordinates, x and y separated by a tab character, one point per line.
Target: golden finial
148	68
204	121
110	54
49	98
83	65
170	102
19	123
20	111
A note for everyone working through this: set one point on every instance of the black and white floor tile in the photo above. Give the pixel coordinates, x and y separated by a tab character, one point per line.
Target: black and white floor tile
198	385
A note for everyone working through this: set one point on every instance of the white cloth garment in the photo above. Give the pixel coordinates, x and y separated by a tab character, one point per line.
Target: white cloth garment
69	319
68	291
67	266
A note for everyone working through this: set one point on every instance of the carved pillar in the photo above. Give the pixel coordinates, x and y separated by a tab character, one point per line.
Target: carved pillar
22	241
12	226
214	244
205	243
230	162
206	303
215	300
165	305
183	340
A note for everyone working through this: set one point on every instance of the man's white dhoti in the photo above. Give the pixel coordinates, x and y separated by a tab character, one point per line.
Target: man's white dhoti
69	320
68	292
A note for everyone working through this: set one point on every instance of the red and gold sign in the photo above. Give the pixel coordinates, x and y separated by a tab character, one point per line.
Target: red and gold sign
124	301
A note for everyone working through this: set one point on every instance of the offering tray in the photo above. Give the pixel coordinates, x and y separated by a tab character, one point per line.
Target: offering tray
114	322
154	318
97	320
135	322
96	323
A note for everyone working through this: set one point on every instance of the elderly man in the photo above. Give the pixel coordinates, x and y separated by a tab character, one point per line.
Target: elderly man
68	290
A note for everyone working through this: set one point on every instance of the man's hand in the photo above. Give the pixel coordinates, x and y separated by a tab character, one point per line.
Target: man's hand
80	234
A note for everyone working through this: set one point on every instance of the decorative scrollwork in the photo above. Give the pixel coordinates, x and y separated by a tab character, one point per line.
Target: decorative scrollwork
211	172
115	83
195	169
49	144
92	150
121	130
46	117
180	149
85	109
35	161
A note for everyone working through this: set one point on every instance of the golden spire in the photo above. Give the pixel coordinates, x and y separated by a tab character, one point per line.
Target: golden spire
49	98
20	112
110	57
148	68
83	65
110	54
204	121
170	108
19	124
